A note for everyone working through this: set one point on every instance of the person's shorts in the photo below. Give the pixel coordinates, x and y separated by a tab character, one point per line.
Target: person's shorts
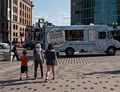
24	69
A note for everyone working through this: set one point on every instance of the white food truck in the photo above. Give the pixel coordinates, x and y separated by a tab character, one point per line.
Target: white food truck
81	38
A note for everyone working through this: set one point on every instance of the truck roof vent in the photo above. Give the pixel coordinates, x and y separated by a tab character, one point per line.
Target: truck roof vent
91	24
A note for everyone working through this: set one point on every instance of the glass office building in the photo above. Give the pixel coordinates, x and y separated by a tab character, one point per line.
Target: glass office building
95	11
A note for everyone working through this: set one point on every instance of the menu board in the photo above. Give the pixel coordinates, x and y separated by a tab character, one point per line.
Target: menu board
92	35
56	37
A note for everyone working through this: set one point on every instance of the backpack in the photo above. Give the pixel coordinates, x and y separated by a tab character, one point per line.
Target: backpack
38	56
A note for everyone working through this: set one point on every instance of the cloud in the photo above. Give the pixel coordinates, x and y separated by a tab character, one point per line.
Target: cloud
62	13
61	20
42	15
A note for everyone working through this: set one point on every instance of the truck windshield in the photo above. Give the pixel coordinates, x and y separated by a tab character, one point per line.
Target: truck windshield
116	34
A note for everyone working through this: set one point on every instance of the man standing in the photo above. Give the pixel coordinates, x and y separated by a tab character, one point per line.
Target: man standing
38	59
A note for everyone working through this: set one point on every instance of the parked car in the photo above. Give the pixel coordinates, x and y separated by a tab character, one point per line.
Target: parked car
4	45
29	45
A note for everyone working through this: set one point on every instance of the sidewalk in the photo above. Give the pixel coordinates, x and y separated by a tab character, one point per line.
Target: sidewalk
78	75
6	66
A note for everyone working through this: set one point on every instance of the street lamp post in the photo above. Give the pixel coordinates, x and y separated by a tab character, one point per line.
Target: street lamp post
115	24
10	26
42	31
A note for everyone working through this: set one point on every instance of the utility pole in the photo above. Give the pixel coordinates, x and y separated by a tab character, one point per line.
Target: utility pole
10	3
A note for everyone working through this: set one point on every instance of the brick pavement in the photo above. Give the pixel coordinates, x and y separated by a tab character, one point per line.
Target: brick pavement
4	64
83	74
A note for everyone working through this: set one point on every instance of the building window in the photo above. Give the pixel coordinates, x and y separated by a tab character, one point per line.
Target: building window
16	34
16	39
14	18
20	12
23	6
13	33
29	23
14	9
20	20
13	39
20	28
29	16
14	26
23	21
20	5
76	12
15	1
23	14
27	8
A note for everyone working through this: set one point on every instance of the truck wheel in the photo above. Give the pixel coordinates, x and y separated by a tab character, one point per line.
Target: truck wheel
111	51
69	52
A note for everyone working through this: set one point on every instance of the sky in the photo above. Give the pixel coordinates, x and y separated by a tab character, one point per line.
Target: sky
55	11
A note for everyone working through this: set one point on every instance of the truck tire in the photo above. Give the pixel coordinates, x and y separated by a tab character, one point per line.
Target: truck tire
69	52
111	51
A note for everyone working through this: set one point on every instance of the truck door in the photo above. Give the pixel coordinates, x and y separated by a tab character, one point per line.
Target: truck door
102	41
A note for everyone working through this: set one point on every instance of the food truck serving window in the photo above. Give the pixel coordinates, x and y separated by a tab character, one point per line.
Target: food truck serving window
74	35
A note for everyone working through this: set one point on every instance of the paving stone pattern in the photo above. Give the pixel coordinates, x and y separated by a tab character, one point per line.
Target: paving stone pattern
80	74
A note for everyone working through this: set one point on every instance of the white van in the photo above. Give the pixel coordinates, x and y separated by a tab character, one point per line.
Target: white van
82	39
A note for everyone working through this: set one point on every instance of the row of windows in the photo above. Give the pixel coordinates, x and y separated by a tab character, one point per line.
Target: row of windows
24	14
15	34
23	29
15	27
22	6
15	39
24	21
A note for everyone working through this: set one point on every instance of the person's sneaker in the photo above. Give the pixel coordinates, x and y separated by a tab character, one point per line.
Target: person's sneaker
46	80
53	78
20	78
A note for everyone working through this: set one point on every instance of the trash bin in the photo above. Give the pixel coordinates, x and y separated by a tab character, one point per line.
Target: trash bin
7	56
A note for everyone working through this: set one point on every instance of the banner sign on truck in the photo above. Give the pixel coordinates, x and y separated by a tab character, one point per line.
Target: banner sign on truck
56	36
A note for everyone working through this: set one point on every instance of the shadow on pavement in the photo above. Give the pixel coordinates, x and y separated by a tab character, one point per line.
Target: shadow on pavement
20	82
105	72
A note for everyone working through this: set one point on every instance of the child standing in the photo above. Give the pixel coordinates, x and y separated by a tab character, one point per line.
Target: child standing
24	66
